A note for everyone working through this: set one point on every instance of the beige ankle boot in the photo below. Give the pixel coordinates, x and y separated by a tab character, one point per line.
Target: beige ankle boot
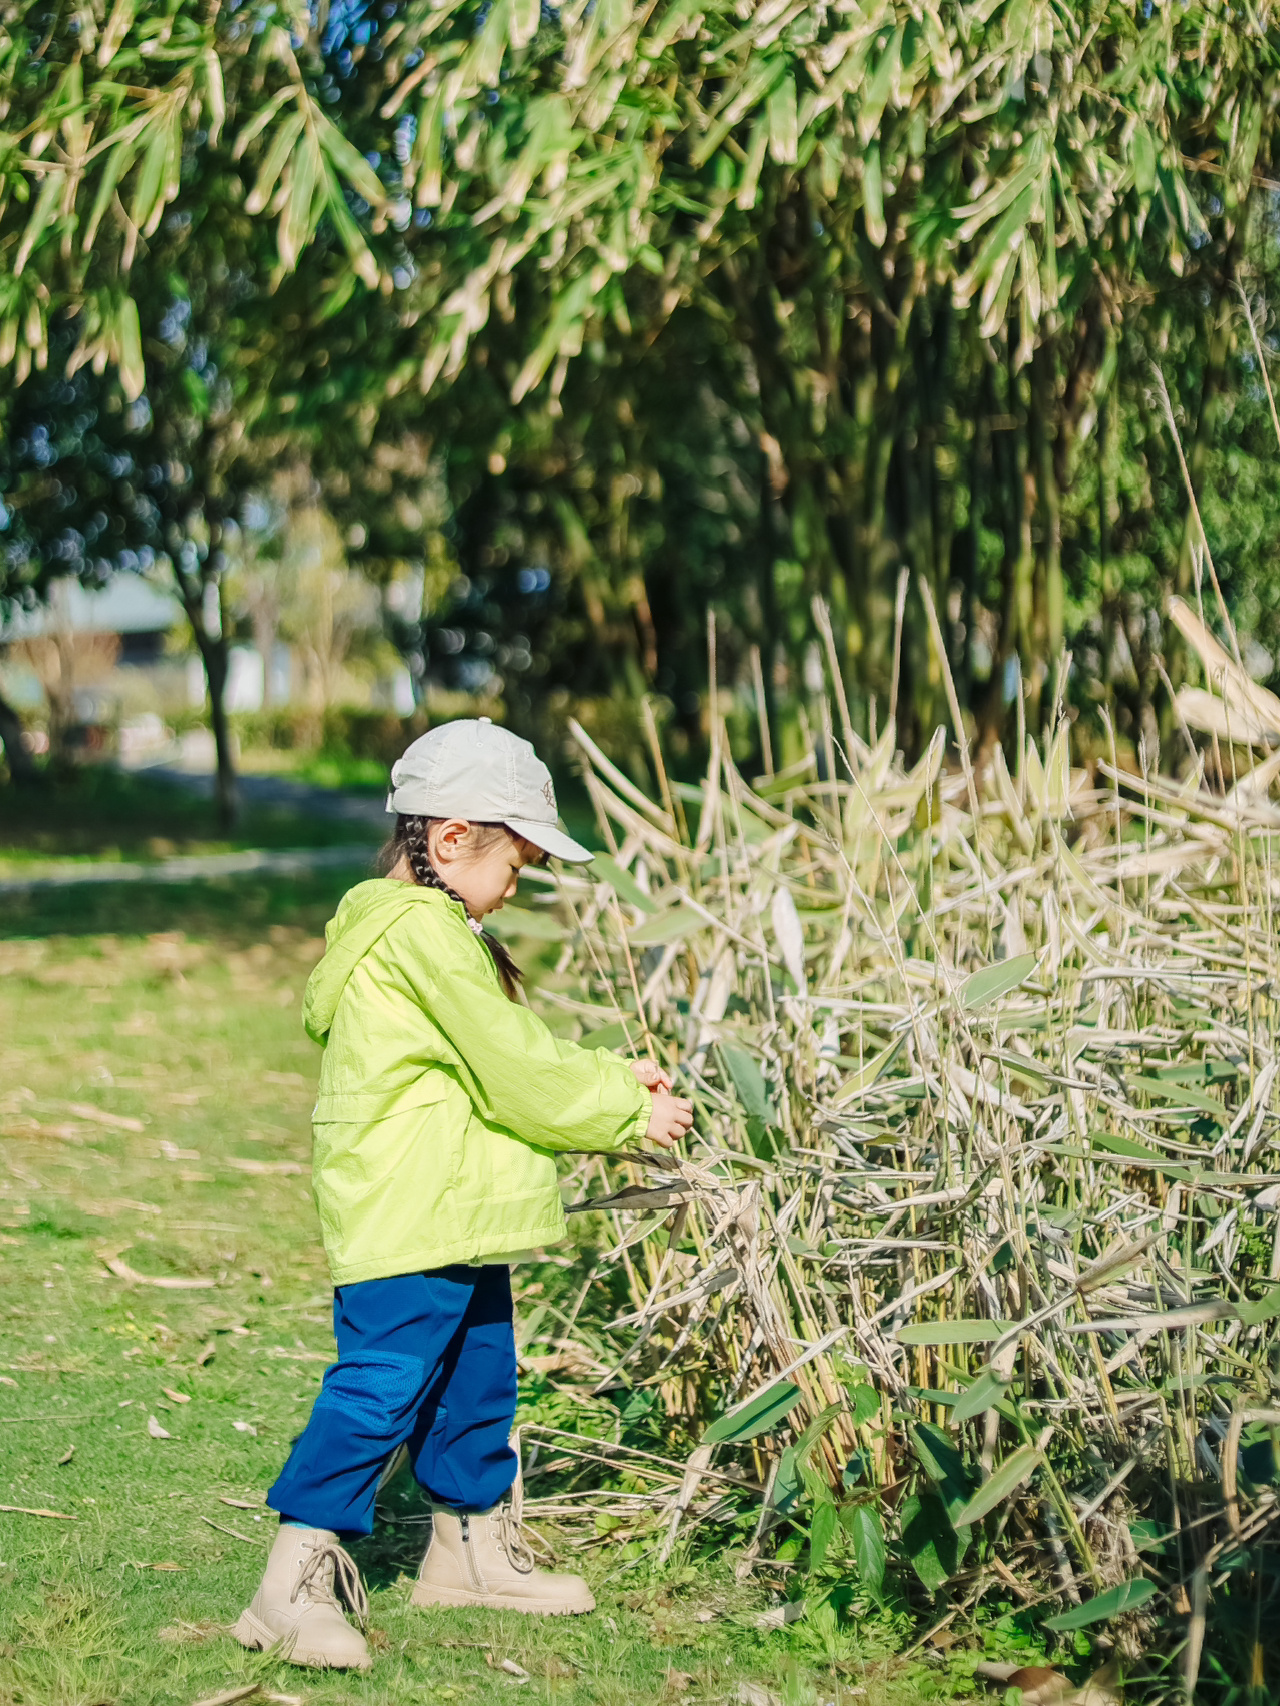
481	1558
296	1611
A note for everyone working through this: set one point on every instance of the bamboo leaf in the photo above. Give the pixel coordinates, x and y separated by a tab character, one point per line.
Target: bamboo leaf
1257	1310
1016	1468
214	94
944	1466
859	1082
992	982
146	189
761	1415
525	17
349	161
261	120
783	135
873	197
1162	1091
978	1397
788	933
349	233
298	219
958	1332
39	219
609	1036
282	145
749	1082
623	884
515	921
133	371
117	163
1126	1596
670	926
117	28
935	1549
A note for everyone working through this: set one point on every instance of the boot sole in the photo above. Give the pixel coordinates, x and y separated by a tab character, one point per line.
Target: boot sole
422	1595
258	1638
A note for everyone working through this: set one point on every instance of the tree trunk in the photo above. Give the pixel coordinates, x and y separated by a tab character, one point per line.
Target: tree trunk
214	654
1049	622
226	791
22	767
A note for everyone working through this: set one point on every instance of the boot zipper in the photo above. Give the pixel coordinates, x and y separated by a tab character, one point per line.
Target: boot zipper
464	1520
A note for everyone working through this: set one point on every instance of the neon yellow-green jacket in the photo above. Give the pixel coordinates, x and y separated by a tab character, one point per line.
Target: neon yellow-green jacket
441	1101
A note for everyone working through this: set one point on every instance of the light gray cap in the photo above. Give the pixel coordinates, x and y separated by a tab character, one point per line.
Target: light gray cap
475	770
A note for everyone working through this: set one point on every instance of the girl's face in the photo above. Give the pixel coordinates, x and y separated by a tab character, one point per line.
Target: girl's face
480	862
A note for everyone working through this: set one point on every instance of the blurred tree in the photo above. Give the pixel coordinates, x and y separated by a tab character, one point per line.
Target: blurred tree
670	304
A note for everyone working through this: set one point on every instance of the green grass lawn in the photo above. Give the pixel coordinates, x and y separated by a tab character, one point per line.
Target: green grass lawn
154	1102
100	813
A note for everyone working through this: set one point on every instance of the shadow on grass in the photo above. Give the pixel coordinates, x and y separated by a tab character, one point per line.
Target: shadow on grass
102	812
400	1535
238	909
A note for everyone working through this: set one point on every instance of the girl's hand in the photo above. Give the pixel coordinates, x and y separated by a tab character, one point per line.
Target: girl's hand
651	1075
670	1118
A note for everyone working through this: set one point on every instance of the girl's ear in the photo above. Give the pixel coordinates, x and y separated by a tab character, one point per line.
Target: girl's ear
450	838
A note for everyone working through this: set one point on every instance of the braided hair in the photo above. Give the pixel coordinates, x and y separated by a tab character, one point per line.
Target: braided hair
410	841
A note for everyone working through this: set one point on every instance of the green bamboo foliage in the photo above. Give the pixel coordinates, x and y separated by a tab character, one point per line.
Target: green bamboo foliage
1007	149
918	235
100	145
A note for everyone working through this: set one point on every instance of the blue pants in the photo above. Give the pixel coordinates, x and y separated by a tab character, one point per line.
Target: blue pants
424	1360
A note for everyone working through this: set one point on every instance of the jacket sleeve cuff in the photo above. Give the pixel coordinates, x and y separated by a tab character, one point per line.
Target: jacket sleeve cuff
640	1125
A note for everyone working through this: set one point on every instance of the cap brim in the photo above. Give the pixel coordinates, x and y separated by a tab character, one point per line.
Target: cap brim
551	840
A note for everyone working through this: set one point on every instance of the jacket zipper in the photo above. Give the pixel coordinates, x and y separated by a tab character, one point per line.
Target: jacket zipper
464	1520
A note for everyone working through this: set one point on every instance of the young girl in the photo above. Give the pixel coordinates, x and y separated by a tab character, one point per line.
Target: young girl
442	1102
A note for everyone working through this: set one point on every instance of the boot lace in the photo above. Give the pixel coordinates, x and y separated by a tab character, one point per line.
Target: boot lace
330	1575
514	1539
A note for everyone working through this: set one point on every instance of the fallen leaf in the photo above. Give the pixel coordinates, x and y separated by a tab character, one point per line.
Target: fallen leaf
24	1510
67	1455
172	1152
508	1665
754	1694
1102	1688
1040	1685
123	1271
781	1615
99	1116
164	1566
156	1431
284	1699
178	1397
7	1380
243	1164
240	1504
245	1428
124	1403
231	1695
207	1354
185	1632
677	1682
233	1532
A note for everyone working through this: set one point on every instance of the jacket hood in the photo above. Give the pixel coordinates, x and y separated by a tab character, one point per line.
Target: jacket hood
364	916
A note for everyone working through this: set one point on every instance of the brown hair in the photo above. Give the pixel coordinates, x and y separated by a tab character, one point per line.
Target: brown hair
411	839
